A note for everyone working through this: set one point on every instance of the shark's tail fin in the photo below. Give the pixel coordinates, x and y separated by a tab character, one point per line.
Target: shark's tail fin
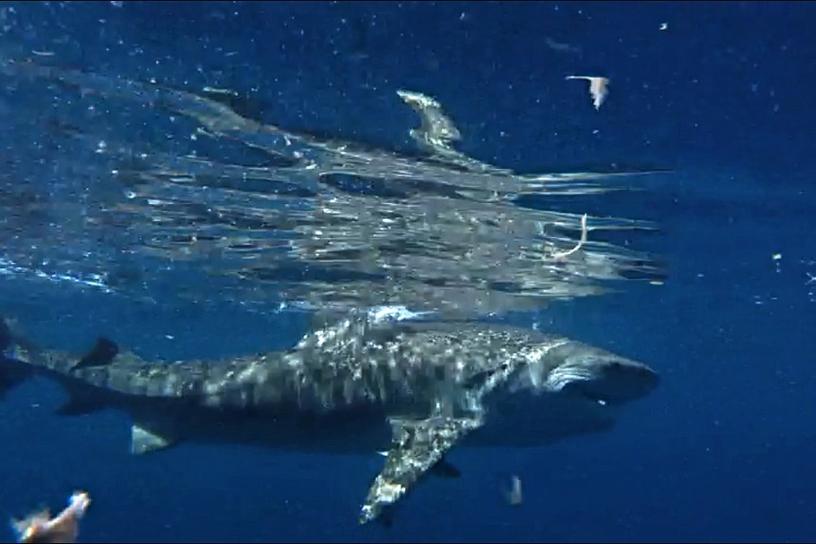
6	338
11	373
15	355
14	341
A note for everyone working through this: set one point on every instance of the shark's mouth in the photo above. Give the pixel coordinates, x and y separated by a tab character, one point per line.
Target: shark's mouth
612	385
576	381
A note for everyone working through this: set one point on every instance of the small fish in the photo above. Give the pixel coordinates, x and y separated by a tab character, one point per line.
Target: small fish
598	88
513	495
562	47
40	527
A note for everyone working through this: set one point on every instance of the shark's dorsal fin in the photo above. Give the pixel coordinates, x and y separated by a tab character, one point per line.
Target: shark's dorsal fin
418	446
143	440
103	353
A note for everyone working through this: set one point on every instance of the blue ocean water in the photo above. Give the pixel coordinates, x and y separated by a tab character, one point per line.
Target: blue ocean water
717	92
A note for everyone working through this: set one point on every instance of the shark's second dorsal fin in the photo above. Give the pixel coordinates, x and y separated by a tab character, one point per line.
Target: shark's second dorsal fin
103	353
419	445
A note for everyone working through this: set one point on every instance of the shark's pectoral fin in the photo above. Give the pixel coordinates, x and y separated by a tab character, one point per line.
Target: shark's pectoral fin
103	353
144	440
418	446
444	469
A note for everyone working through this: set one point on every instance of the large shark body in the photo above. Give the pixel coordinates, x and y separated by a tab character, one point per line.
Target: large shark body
411	390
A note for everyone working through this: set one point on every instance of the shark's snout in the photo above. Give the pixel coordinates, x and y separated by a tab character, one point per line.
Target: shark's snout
619	380
600	375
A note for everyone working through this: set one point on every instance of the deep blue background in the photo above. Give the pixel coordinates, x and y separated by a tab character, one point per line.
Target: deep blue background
723	451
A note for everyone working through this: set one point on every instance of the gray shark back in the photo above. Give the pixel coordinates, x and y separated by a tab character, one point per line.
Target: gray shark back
353	362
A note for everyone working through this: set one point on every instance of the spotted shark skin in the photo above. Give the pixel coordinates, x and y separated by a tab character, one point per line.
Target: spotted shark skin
414	390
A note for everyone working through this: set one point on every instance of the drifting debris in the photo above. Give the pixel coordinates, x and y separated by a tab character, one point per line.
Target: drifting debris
40	527
581	242
598	88
777	259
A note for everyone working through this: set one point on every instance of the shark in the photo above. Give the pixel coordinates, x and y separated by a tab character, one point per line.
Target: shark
409	390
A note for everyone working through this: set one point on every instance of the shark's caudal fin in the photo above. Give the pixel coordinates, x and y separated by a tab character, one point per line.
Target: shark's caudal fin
13	341
6	339
20	358
11	372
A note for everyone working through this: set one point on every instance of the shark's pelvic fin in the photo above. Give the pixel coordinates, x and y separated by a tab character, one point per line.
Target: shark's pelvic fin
143	440
418	445
78	404
103	353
